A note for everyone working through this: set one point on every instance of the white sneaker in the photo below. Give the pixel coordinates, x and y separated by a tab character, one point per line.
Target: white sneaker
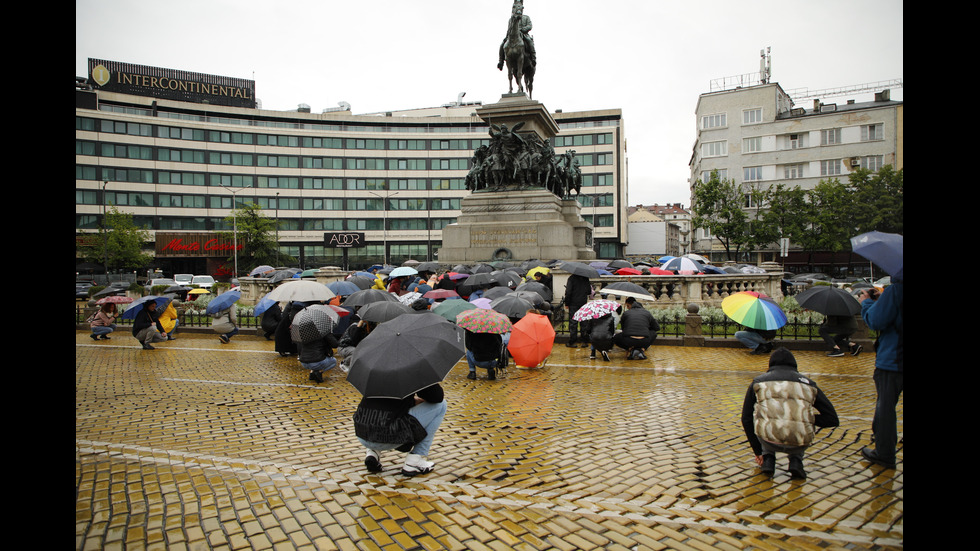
372	461
416	464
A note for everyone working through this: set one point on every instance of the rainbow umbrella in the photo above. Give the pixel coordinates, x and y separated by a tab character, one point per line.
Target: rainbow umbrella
754	310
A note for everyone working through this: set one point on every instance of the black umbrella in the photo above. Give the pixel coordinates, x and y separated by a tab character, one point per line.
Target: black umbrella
535	299
367	296
362	282
383	311
496	292
829	301
577	268
511	306
405	355
536	287
506	278
619	264
428	267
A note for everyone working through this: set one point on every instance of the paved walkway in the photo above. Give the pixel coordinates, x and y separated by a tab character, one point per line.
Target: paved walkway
199	445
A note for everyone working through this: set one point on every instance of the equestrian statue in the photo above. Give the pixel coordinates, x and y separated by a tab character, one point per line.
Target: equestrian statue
517	50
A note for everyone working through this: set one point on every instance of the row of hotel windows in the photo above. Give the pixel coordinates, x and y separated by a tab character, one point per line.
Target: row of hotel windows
200	223
830	167
167	200
832	136
141	176
320	127
245	138
195	156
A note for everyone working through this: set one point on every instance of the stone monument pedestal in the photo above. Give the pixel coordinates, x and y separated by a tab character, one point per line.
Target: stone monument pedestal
517	225
511	221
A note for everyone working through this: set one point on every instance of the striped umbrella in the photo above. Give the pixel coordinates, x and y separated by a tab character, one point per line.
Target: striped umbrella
754	310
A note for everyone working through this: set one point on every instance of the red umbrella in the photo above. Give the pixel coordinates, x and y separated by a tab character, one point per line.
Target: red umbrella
531	340
628	271
439	294
658	271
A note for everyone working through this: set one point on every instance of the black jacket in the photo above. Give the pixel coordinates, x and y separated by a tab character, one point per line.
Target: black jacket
577	290
639	322
387	421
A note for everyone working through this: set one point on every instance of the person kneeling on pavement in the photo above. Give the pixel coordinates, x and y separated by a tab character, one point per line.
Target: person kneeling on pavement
483	350
777	414
317	356
639	330
406	425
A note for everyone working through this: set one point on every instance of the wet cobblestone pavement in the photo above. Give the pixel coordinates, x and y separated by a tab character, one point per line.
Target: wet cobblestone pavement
200	445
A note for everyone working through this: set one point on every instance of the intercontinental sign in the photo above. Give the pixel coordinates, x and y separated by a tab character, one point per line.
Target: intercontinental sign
141	80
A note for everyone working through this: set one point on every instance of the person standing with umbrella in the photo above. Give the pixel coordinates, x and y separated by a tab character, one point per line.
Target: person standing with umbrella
885	313
577	291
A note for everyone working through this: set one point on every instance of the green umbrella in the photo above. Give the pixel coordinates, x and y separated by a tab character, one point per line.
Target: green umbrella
449	309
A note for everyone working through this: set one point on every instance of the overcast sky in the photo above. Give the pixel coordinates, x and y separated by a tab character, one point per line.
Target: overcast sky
650	58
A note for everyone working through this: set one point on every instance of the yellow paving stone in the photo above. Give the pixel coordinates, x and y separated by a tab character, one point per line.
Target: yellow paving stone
209	457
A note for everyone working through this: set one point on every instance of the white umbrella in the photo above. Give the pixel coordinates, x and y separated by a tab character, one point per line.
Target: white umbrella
300	291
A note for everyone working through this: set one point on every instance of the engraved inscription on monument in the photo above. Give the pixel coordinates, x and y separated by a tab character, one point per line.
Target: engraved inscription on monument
503	237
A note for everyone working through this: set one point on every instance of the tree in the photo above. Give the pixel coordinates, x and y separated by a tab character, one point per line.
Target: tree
255	236
878	200
121	246
718	209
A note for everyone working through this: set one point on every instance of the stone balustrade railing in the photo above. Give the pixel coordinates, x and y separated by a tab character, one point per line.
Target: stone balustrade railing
675	290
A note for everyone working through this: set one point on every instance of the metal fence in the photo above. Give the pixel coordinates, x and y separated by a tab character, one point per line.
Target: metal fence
672	324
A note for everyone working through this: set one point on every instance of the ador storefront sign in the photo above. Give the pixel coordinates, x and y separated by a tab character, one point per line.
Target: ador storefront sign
142	80
343	240
194	244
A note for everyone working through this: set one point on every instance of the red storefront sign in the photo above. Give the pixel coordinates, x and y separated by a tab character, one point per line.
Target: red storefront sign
194	244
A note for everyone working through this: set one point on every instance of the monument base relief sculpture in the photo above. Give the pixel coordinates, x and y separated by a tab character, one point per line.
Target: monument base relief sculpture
522	204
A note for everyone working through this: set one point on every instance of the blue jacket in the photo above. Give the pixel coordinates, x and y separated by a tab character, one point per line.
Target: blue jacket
885	315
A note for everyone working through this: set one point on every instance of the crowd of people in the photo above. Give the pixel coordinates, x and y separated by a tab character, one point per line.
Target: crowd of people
782	409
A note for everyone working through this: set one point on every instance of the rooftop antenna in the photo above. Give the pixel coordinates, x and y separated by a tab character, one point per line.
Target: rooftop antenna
765	65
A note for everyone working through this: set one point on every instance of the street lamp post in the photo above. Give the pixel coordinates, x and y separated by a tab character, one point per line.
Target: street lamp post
105	236
384	227
234	220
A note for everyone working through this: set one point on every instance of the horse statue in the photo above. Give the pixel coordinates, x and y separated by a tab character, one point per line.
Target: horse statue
518	51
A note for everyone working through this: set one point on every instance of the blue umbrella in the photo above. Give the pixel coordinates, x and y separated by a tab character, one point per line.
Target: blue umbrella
343	288
137	305
223	301
403	271
884	249
263	305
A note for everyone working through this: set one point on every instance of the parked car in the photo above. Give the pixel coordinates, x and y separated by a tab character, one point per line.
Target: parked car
811	277
183	279
154	282
203	281
81	289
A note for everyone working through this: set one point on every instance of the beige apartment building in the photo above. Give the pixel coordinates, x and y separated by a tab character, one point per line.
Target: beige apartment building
757	137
